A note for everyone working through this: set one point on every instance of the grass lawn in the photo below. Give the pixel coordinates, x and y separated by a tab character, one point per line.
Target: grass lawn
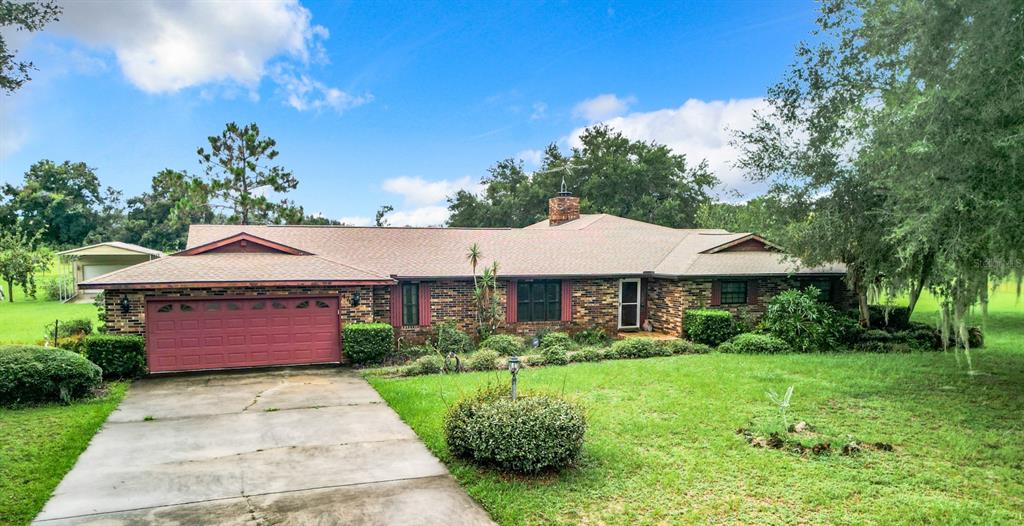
662	447
38	445
25	320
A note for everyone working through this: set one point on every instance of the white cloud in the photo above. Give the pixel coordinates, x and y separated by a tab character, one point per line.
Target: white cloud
304	93
700	129
357	220
422	216
531	158
540	110
602	107
418	191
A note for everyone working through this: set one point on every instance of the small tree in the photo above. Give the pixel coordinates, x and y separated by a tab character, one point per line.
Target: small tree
485	294
239	176
20	262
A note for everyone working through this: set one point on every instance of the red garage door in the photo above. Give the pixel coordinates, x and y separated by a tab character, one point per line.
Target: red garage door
187	335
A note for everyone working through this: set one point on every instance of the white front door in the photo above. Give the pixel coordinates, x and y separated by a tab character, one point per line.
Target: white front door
629	304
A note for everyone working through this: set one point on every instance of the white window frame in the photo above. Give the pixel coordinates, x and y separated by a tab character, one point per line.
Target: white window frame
622	283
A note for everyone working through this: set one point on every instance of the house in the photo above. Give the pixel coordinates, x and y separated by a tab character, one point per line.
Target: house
85	263
242	296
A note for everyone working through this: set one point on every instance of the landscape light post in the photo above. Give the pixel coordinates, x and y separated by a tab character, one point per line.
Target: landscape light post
513	369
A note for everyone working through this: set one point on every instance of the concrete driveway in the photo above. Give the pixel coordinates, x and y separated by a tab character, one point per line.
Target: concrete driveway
287	446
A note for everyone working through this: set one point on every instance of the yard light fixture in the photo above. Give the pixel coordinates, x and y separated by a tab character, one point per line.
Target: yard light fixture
513	369
125	305
355	299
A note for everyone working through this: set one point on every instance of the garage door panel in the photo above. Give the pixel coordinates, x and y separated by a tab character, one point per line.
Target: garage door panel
191	335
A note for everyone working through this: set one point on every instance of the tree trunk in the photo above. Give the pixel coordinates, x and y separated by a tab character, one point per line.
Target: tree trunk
922	279
862	306
10	291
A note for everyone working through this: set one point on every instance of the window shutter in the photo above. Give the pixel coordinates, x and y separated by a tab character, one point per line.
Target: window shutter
716	293
752	292
512	302
396	306
424	304
566	300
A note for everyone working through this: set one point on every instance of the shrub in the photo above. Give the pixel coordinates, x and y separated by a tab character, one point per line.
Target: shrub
587	354
686	347
368	342
65	328
52	287
117	356
538	337
429	364
592	336
875	335
30	374
752	343
74	344
807	325
505	344
527	435
884	347
560	339
409	353
483	360
639	348
555	354
975	338
452	340
898	317
708	326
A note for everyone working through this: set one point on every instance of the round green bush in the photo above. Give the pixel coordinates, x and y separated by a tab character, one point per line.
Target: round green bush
561	339
450	339
31	374
555	355
527	435
367	343
686	347
118	356
482	360
709	326
429	364
753	343
639	348
505	344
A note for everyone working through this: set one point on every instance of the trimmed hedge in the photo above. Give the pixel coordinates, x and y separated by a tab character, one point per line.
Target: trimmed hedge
367	343
686	347
709	326
587	354
505	344
639	348
752	343
31	374
527	435
482	360
557	338
118	356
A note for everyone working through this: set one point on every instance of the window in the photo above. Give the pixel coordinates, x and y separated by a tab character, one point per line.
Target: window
166	308
212	305
322	304
259	305
734	292
278	305
539	300
304	304
824	287
185	307
233	306
411	304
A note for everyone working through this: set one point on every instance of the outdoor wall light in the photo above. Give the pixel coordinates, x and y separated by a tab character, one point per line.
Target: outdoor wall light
125	305
513	369
355	299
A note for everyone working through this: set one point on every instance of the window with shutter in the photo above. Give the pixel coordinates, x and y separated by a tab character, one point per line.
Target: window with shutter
539	301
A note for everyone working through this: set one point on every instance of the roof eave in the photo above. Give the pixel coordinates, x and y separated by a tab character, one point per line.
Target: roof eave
234	284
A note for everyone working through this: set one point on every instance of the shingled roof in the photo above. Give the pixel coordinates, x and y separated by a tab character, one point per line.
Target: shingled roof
591	246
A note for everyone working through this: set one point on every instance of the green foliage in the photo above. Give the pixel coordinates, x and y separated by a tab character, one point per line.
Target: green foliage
615	175
804	323
118	356
237	167
74	343
367	343
560	339
505	344
409	353
483	360
54	286
894	317
21	16
686	347
20	260
160	218
752	343
708	326
452	340
639	348
555	354
527	435
65	328
30	374
427	364
591	336
587	354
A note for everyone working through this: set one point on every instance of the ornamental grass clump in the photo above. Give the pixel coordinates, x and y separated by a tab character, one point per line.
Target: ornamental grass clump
531	434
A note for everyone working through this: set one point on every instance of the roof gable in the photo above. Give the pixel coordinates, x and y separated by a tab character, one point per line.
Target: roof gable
747	243
242	242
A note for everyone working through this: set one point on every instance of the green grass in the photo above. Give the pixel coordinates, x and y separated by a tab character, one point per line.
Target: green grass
39	445
25	320
662	447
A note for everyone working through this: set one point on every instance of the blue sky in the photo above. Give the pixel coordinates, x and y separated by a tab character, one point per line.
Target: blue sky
389	102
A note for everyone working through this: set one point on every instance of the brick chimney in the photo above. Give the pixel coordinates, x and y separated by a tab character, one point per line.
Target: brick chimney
563	208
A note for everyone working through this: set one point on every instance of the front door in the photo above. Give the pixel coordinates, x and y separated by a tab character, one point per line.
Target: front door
629	304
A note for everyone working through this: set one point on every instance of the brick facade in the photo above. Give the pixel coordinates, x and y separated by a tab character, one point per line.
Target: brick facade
594	303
